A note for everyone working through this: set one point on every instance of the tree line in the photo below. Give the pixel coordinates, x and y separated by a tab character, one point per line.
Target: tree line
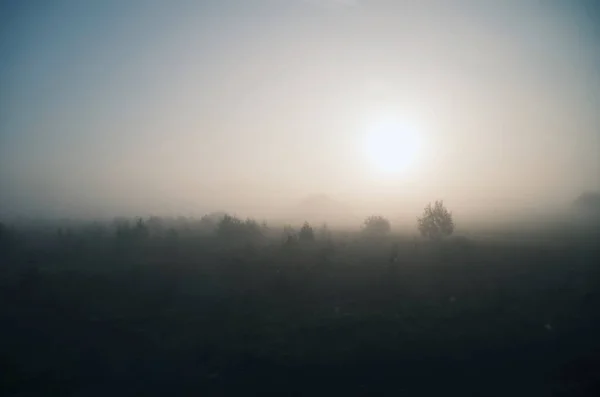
435	223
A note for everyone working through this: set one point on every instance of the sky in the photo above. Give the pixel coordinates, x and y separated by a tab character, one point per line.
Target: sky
181	107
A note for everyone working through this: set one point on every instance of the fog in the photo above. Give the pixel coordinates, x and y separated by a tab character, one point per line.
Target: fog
257	107
307	197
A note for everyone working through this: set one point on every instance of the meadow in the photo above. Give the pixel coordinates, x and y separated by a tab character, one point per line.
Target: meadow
94	309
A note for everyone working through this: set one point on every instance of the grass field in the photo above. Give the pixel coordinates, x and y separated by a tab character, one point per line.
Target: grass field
197	316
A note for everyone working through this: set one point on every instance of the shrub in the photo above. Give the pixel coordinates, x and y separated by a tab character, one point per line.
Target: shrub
234	229
324	233
289	235
376	225
230	227
436	221
306	233
253	231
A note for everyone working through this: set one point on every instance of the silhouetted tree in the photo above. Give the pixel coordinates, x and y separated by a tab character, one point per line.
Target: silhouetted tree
122	229
289	235
587	209
234	229
155	226
141	230
253	231
127	236
324	233
306	233
264	228
230	227
327	250
588	201
376	225
209	222
171	240
436	221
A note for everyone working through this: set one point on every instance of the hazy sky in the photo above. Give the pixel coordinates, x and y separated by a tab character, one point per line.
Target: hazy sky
182	106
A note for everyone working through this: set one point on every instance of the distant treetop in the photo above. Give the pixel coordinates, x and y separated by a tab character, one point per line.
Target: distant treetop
588	201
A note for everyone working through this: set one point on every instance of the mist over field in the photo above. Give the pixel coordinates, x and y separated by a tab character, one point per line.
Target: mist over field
299	197
192	107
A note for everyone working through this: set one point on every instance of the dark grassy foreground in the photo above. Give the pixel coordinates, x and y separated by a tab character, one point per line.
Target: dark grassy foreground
198	318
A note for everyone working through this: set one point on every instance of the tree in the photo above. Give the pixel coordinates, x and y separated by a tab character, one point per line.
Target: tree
233	229
141	230
306	233
588	202
587	208
253	231
289	235
155	226
264	228
325	233
122	229
209	222
436	221
376	225
230	228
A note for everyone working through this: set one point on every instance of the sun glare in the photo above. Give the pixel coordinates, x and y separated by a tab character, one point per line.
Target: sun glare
391	147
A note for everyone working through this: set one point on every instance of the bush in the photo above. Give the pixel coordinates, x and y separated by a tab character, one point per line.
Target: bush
253	231
436	221
306	233
140	230
233	229
289	235
230	227
325	233
376	225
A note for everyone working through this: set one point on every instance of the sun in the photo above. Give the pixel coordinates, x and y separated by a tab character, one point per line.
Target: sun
391	146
